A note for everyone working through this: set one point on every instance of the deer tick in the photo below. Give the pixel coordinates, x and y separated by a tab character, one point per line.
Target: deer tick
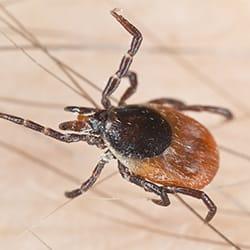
156	146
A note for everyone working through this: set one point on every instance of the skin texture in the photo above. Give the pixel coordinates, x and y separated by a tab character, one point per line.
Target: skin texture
191	160
153	144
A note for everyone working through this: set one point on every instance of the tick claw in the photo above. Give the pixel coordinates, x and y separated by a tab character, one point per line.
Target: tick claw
73	194
209	217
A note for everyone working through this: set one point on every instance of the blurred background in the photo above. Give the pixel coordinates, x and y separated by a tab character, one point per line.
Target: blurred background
197	51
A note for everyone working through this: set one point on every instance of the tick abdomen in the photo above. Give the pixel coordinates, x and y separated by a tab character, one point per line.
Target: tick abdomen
190	160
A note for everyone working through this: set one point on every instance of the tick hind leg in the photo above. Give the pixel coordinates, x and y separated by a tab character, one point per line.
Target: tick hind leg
146	185
163	191
181	106
196	194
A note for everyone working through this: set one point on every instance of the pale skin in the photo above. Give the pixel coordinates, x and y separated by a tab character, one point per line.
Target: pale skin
84	131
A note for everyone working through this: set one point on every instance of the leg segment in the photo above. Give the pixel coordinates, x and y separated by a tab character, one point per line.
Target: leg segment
181	106
68	138
164	201
148	186
131	89
81	110
162	191
171	101
212	109
91	181
126	61
196	194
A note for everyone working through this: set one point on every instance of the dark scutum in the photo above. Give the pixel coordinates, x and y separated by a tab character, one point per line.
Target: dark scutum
137	131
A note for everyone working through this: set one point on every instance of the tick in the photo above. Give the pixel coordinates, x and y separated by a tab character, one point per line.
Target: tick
156	146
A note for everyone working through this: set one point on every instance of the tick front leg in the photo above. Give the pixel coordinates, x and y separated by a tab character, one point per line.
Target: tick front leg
148	186
196	194
126	61
131	89
81	110
68	138
181	106
91	181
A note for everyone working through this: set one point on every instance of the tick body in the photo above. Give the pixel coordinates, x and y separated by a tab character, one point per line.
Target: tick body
157	147
181	151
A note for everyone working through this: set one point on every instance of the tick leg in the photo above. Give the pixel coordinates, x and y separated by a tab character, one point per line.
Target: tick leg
68	137
164	201
131	89
196	194
81	110
148	186
171	101
212	109
126	61
46	131
181	106
91	181
162	191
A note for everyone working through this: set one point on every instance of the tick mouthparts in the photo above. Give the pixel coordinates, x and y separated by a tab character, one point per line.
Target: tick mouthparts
77	126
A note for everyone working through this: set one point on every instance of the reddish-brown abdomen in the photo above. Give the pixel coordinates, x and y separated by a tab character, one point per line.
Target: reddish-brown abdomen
191	160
